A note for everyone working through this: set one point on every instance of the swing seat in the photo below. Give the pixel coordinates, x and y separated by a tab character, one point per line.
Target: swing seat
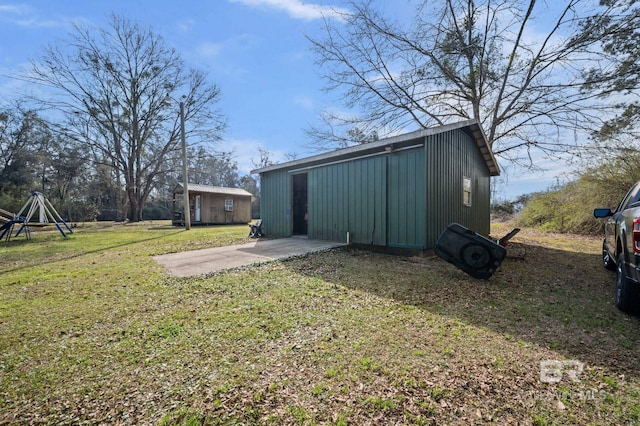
38	224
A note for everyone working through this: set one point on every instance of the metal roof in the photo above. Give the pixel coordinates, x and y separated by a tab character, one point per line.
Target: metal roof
194	187
470	126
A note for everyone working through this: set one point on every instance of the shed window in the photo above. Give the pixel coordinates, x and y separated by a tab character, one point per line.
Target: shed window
466	191
228	205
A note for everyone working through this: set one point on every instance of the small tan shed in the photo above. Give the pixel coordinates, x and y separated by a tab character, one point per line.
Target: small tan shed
213	205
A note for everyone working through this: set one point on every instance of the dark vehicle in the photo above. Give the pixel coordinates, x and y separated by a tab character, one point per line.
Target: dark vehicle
621	248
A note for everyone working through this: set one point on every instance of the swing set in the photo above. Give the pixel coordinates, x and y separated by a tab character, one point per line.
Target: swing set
46	214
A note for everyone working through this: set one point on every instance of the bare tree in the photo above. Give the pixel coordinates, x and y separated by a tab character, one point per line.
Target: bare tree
619	77
219	169
113	85
264	159
464	59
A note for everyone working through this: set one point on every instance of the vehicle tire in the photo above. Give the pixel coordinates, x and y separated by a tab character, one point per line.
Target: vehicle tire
475	256
607	260
626	297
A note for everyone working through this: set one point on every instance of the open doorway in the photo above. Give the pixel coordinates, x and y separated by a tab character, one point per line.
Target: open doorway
300	213
197	209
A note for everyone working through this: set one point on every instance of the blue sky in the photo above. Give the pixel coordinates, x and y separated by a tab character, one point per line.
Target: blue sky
255	50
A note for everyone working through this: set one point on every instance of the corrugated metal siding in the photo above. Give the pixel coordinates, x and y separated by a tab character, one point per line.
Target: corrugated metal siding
327	202
349	197
275	204
448	158
368	200
406	222
423	190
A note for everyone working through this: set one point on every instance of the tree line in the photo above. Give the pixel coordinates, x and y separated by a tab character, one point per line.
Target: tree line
568	207
36	157
102	140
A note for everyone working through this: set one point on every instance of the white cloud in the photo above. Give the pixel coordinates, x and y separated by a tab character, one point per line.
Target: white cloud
246	153
297	9
239	43
14	83
185	25
515	181
304	102
14	9
209	49
9	87
26	16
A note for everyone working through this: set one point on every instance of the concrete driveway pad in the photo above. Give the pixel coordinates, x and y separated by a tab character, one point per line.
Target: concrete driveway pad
205	261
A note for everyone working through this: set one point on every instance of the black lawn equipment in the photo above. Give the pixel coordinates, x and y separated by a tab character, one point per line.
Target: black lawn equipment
476	255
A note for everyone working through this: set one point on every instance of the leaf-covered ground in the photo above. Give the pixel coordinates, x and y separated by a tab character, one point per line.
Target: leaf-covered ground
93	331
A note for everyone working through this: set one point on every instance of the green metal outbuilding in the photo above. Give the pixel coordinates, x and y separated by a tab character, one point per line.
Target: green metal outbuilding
399	192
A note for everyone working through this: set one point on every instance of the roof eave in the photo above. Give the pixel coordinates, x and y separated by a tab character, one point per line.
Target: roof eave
209	189
476	132
485	149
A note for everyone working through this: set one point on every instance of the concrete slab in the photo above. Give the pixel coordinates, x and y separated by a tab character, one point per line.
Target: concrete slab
205	261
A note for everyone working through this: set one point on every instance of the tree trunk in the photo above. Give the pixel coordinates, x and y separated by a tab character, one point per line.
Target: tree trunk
136	213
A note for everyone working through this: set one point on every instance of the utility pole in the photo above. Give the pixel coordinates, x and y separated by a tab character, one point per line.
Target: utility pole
185	177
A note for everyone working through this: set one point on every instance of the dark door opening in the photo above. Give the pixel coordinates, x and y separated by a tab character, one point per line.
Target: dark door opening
300	213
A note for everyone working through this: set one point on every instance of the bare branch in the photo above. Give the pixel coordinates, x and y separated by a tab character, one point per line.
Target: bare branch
475	59
113	90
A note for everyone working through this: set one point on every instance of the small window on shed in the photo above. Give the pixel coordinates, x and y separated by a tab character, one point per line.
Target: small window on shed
466	191
228	205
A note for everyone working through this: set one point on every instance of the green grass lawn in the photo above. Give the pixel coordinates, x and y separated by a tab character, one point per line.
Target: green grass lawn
92	330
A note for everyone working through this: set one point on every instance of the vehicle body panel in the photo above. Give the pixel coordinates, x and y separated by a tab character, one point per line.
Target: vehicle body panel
619	242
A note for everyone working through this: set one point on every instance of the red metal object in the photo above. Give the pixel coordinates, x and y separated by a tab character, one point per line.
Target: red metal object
504	241
636	235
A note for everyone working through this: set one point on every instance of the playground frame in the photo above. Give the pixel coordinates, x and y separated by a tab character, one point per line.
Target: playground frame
37	203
